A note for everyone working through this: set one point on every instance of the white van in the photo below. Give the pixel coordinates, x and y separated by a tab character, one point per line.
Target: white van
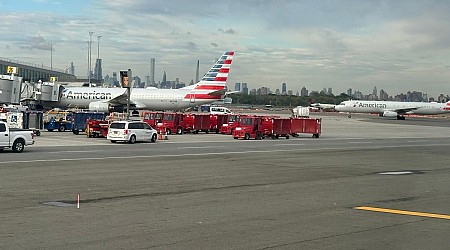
220	111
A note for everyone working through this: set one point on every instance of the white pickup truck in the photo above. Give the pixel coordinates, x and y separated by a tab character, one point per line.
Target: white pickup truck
16	139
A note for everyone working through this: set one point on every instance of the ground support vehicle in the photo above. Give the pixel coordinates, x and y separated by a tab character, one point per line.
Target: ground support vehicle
306	126
152	117
79	119
228	127
250	127
131	132
33	120
172	122
219	121
61	126
275	127
16	139
96	128
204	123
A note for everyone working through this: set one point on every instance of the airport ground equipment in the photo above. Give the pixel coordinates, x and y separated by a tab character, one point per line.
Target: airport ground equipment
79	119
14	138
300	111
254	127
23	119
228	127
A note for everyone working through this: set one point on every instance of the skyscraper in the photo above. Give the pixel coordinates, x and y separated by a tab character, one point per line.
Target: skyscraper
152	72
197	71
237	86
283	89
244	88
98	75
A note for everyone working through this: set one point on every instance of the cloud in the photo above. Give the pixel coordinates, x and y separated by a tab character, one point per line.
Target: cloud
228	31
36	42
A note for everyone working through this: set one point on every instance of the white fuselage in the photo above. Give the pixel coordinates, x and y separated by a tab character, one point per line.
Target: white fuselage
381	107
152	98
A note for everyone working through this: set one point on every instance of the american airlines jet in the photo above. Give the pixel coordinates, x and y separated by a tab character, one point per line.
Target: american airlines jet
393	109
212	87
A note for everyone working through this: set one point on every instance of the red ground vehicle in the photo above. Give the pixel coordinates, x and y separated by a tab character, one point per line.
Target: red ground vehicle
275	127
96	128
152	117
306	126
228	127
249	127
204	123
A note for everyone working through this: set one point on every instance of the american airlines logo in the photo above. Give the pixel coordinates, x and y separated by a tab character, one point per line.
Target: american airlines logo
88	95
372	105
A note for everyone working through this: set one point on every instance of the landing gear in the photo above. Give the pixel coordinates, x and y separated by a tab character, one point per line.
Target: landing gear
349	115
400	117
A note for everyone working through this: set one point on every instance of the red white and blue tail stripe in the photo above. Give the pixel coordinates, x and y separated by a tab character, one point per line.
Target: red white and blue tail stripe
213	83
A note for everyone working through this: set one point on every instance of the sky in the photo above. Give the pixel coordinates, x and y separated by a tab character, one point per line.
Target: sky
397	46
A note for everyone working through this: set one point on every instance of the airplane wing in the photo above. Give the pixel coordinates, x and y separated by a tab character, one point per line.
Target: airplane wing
119	100
403	111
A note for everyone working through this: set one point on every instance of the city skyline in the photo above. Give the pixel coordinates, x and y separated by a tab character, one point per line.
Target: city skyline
395	45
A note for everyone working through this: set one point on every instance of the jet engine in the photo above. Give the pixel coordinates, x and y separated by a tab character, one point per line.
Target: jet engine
390	114
99	106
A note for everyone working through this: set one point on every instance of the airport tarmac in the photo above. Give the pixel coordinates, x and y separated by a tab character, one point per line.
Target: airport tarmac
366	183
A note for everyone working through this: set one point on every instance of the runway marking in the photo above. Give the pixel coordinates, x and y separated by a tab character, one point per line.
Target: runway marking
289	144
201	147
360	142
396	173
79	151
417	141
404	212
220	153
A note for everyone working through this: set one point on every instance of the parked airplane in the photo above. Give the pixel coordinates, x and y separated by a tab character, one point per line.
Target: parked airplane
393	109
212	87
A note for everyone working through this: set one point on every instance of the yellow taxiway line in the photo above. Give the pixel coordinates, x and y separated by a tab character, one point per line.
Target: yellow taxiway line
403	212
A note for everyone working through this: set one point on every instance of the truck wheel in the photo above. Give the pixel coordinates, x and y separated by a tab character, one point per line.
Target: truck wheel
235	138
179	130
50	130
132	139
258	136
315	136
75	132
18	146
38	133
168	131
287	136
153	138
246	137
61	128
112	141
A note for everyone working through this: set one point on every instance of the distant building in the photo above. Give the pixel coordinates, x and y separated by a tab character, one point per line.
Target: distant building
152	72
237	86
98	70
374	93
283	88
290	93
330	91
304	92
244	88
349	92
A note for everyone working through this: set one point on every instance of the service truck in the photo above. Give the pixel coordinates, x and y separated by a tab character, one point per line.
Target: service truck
16	139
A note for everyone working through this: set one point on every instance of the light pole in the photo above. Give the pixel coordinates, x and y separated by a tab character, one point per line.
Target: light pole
90	56
51	55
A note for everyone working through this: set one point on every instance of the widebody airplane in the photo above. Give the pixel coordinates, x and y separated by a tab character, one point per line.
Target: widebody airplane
211	88
393	109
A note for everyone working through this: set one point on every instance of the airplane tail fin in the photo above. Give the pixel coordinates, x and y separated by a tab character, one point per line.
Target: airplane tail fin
216	78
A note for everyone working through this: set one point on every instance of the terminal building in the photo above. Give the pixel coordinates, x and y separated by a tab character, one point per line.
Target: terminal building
33	72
